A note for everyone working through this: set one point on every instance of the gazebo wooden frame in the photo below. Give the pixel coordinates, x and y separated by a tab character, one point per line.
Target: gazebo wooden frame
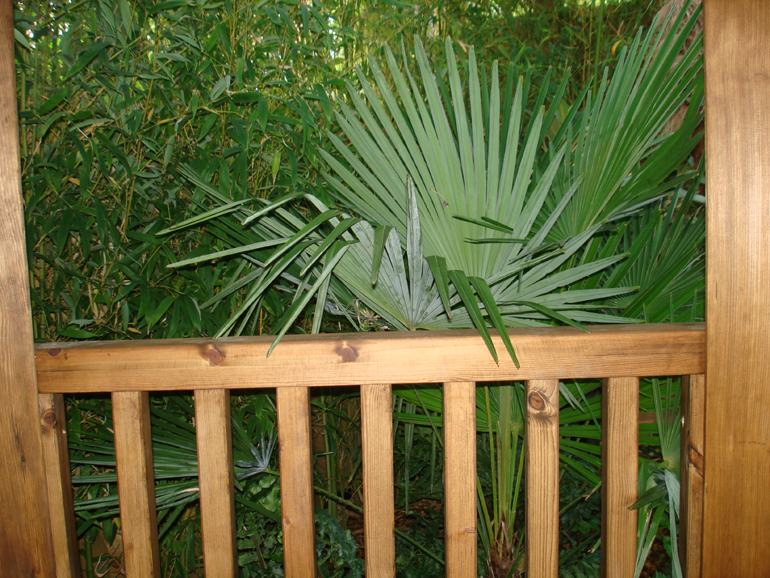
726	442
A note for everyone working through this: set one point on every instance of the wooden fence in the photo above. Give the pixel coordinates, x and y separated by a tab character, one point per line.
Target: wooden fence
455	360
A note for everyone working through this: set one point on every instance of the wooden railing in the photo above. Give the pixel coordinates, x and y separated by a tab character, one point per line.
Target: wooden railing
619	355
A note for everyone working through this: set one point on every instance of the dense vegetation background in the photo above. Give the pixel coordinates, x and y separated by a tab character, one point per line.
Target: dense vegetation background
148	127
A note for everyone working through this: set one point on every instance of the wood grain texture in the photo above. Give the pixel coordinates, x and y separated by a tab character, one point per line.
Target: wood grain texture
460	479
369	359
53	423
293	405
736	531
377	442
136	484
691	474
25	537
542	479
215	477
620	474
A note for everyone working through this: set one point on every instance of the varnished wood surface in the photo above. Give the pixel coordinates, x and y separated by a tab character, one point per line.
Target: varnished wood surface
293	408
215	475
620	474
460	479
542	479
53	422
736	532
691	474
377	442
369	359
136	484
25	536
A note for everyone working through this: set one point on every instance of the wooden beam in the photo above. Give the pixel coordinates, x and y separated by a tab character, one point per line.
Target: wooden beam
369	359
736	531
25	537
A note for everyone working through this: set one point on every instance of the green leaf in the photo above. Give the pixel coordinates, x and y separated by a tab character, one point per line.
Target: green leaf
341	227
53	101
381	234
486	222
271	207
302	233
555	315
460	282
228	252
85	58
207	124
339	250
207	216
440	275
484	293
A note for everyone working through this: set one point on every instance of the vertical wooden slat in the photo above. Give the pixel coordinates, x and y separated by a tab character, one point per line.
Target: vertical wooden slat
53	422
377	442
25	536
691	476
215	475
620	474
542	475
293	404
736	509
136	483
460	478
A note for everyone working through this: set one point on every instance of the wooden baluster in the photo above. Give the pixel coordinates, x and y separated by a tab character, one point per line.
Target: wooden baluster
215	475
293	404
542	479
460	478
377	442
620	473
691	503
136	483
53	421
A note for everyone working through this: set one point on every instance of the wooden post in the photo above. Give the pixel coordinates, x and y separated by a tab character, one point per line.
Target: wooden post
377	442
542	507
691	474
136	483
215	474
53	421
25	537
295	457
736	531
460	478
620	475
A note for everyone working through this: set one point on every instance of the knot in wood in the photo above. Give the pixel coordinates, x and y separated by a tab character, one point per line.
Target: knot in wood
48	419
214	355
536	401
347	354
54	352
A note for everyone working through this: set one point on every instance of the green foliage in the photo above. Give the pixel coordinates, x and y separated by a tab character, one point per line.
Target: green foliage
115	99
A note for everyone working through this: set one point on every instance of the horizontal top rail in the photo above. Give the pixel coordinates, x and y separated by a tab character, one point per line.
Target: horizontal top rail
369	358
